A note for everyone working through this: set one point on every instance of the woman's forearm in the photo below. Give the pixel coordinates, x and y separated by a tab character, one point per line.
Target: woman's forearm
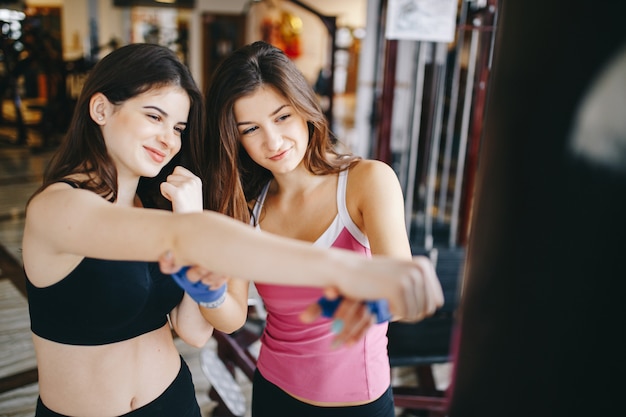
232	248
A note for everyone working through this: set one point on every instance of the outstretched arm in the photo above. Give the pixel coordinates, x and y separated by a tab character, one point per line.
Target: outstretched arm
68	224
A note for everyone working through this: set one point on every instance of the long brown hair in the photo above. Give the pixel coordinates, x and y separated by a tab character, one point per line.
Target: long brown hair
121	75
232	177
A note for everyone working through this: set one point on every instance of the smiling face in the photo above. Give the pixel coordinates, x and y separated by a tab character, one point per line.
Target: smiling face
273	134
143	133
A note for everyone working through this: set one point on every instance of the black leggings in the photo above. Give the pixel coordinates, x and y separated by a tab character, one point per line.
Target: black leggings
179	399
268	400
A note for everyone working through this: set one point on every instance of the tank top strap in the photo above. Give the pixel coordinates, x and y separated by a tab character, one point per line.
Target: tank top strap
69	182
258	206
342	185
342	209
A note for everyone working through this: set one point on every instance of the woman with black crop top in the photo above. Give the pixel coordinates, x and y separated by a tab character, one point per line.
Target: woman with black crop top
102	313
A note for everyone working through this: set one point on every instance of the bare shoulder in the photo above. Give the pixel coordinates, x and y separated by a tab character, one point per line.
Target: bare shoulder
48	217
59	196
372	172
61	209
371	183
40	202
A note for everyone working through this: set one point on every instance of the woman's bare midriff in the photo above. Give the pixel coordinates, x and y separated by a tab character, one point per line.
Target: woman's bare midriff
111	379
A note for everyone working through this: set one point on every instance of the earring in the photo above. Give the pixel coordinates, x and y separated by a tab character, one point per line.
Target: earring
100	118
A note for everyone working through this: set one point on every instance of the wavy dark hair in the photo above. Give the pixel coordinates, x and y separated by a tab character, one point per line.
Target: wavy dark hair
121	75
232	178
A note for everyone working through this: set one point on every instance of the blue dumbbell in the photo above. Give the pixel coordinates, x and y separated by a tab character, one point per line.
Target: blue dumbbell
380	308
199	291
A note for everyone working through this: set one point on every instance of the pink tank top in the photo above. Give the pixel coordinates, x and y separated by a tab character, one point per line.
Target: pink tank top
298	357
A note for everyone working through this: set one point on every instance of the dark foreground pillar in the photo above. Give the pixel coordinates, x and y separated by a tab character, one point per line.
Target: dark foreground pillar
543	317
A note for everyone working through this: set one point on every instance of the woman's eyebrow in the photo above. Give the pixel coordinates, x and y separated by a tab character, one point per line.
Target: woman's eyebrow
271	114
163	112
279	109
160	110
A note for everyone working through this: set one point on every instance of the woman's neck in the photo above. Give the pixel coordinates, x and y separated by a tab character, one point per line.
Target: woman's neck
298	182
127	193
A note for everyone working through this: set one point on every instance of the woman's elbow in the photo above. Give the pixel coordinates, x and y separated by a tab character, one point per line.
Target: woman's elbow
232	325
197	339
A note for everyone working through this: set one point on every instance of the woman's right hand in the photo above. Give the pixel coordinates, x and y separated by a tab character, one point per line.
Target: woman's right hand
168	265
411	287
419	293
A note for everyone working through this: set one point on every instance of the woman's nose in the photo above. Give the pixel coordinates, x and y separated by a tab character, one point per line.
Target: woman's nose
169	138
273	140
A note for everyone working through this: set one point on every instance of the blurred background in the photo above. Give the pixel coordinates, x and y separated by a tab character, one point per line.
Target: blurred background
414	101
402	81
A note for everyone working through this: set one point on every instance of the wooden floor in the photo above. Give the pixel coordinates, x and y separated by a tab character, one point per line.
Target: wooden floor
21	169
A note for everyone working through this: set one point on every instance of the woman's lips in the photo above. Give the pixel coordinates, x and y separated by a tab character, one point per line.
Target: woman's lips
156	155
280	155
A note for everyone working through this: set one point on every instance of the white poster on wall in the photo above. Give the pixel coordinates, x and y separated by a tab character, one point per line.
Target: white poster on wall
421	20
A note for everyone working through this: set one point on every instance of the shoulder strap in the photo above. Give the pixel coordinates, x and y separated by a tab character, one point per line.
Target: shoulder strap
258	205
342	184
70	183
342	209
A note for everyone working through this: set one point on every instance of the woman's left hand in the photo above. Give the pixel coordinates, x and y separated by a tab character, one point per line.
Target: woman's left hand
184	190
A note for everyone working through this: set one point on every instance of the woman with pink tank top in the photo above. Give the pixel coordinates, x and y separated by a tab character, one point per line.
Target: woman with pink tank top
274	164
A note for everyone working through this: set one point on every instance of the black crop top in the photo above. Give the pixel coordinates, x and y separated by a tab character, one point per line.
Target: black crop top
103	301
